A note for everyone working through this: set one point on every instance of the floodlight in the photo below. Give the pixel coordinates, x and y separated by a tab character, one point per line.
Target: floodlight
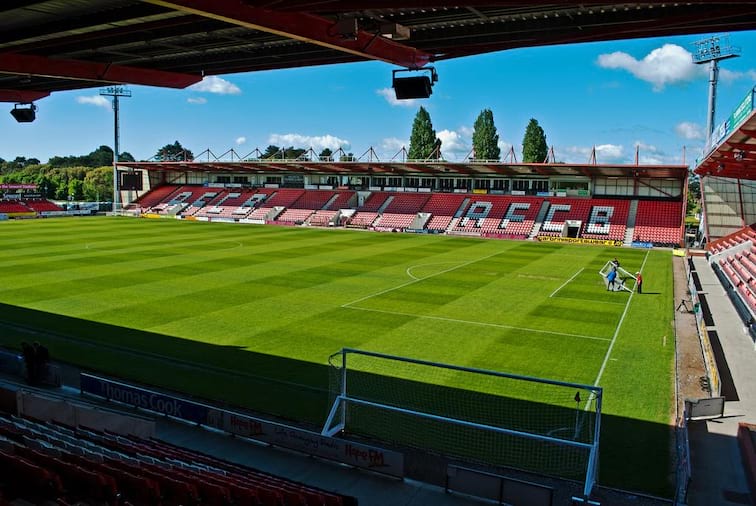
416	86
24	113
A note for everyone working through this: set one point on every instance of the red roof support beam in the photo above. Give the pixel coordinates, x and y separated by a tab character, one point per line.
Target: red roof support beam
23	96
303	27
26	64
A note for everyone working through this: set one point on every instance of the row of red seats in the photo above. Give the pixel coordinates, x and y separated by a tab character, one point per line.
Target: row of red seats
741	278
111	468
741	236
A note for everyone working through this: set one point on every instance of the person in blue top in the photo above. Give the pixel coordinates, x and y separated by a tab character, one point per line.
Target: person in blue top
610	279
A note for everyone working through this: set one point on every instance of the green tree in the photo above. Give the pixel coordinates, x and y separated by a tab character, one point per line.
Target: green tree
125	156
694	195
99	157
348	157
423	140
485	140
174	152
534	148
272	151
46	185
292	153
75	189
98	184
326	155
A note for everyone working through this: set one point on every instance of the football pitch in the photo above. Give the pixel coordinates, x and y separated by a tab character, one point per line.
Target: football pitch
248	315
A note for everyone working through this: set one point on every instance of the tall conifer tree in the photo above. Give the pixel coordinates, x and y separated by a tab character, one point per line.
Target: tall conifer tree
423	140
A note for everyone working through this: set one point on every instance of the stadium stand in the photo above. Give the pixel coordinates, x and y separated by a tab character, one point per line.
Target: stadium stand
297	216
732	240
393	221
47	461
155	197
13	206
504	216
284	197
362	219
442	207
659	222
601	225
343	200
599	219
510	216
322	218
313	199
562	210
374	202
41	205
406	203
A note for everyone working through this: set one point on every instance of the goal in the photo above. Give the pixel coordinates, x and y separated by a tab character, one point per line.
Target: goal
475	415
625	279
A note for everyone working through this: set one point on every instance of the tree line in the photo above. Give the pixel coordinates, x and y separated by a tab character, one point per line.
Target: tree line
425	144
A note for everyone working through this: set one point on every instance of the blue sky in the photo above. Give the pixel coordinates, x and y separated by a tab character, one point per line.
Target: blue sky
612	95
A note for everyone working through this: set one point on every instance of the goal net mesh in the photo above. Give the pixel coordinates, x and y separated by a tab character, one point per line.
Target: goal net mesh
474	415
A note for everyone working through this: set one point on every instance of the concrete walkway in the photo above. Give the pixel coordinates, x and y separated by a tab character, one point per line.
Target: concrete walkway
717	471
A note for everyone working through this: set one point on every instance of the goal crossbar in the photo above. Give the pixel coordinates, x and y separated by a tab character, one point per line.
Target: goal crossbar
421	414
624	277
338	416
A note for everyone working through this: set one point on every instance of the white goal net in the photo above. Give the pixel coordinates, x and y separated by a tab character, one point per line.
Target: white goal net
623	279
499	419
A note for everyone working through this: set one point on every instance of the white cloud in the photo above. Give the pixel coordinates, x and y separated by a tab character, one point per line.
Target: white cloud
690	131
391	145
240	140
605	153
215	84
668	64
316	142
642	146
609	152
390	96
97	100
505	148
454	144
197	100
729	76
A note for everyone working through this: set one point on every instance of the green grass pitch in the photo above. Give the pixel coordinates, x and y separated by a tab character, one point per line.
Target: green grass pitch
248	315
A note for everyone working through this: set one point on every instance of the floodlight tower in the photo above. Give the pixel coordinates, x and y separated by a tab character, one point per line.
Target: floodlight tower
116	92
710	51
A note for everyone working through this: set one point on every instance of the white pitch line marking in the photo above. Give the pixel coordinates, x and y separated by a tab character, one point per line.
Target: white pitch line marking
614	340
567	282
409	269
471	322
366	297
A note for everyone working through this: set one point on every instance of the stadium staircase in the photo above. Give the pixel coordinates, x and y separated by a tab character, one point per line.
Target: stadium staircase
630	230
539	220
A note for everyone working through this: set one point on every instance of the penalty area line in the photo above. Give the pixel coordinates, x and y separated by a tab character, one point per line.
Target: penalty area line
472	322
567	282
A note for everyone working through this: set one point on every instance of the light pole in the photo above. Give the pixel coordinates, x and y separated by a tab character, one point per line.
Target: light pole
710	51
116	92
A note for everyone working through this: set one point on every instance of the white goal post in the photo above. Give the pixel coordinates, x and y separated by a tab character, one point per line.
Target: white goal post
537	425
625	279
